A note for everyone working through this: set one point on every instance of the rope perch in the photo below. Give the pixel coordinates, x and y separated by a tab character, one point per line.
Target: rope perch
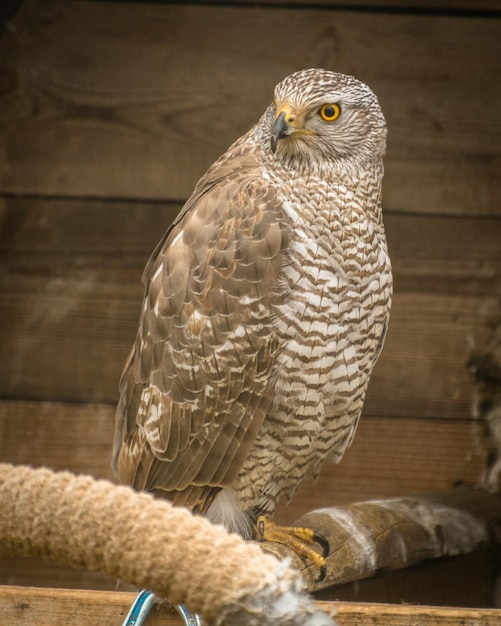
96	525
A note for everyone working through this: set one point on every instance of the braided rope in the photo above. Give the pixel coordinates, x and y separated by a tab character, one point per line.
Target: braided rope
96	525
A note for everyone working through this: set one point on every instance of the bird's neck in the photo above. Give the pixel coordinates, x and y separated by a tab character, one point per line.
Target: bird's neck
342	193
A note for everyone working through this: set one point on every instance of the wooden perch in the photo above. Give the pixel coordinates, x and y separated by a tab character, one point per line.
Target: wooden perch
397	533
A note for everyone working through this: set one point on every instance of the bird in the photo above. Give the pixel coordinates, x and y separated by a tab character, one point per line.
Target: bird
266	307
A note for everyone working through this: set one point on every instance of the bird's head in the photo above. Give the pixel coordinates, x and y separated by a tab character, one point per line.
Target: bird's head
318	113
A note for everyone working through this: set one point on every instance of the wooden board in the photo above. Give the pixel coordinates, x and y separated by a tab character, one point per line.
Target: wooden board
389	456
469	582
70	344
24	571
71	296
430	253
431	6
469	579
386	459
90	120
20	606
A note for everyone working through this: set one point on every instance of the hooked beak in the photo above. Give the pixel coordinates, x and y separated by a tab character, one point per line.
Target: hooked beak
286	123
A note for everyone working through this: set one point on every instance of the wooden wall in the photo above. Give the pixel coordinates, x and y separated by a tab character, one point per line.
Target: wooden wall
109	113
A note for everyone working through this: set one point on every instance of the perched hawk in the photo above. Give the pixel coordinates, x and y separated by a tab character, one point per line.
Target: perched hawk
265	309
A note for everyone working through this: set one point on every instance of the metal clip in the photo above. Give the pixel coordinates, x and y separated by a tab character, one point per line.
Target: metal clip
140	608
188	618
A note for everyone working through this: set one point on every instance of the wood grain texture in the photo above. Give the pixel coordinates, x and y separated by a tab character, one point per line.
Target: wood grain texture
113	110
71	291
430	253
62	97
23	606
397	533
67	339
470	583
75	437
392	458
431	6
389	457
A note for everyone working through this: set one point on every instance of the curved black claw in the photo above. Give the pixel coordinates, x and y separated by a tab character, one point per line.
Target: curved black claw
321	576
323	543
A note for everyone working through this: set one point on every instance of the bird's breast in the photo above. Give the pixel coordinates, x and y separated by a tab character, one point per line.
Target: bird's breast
337	281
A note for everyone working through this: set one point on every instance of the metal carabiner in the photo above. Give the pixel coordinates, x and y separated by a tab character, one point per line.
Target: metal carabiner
142	605
140	609
188	618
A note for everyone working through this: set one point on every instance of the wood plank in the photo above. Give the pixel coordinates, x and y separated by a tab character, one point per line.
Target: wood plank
430	253
469	584
90	120
23	606
422	370
71	293
431	6
436	254
445	255
392	458
397	615
75	437
70	342
24	571
389	457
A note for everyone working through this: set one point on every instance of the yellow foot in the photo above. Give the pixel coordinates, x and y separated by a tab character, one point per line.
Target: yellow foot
300	540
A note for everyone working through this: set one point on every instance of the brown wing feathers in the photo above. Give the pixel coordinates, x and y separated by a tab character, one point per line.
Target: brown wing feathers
198	384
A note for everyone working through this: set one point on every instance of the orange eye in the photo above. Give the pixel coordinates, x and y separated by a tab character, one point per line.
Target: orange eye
330	112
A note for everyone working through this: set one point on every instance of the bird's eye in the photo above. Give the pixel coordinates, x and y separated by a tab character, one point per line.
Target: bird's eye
330	112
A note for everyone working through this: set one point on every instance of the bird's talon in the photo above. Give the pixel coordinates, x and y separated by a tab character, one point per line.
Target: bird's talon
298	539
321	576
323	543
